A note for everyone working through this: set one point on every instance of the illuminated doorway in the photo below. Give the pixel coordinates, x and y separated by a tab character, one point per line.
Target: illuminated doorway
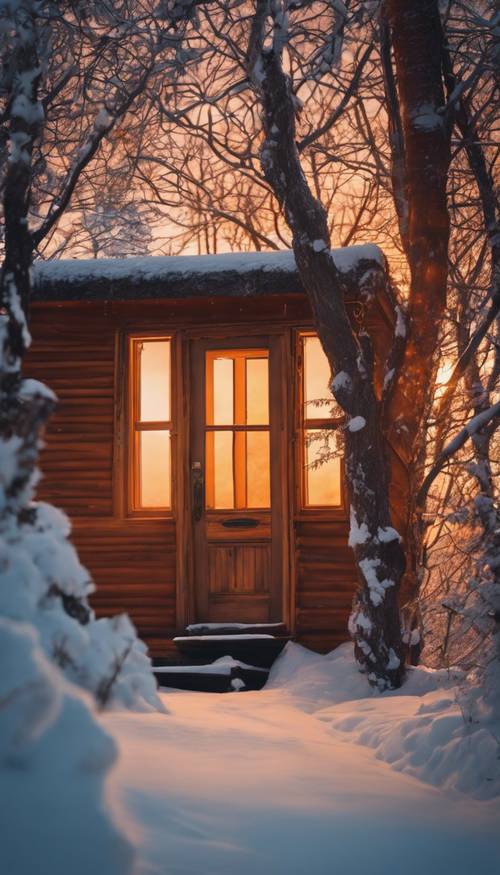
237	474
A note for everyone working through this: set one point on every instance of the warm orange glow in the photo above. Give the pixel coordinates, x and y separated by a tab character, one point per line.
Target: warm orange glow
322	471
155	381
151	439
443	375
221	450
155	476
322	482
257	391
237	453
223	394
316	380
258	473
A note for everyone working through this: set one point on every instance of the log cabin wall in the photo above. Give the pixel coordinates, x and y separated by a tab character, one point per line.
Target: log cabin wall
78	350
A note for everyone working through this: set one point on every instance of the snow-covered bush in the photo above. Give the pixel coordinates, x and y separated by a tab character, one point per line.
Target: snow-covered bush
44	583
460	607
54	755
54	758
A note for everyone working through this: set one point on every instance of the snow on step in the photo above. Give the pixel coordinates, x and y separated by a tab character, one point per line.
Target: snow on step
224	675
213	627
256	648
223	666
192	638
194	626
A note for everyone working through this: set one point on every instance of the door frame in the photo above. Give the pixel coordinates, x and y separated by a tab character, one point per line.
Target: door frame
279	340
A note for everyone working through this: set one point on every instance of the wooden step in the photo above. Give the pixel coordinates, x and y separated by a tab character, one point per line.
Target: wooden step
258	649
223	676
278	630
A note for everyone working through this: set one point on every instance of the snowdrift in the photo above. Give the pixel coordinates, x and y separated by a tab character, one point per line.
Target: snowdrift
419	729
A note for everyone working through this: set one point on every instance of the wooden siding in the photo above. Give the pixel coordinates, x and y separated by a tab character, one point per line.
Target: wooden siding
133	558
77	459
325	582
132	561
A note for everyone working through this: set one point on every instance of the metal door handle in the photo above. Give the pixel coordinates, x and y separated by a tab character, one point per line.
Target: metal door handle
198	490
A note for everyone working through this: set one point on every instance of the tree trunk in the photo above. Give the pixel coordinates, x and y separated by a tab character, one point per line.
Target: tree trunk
375	621
24	404
417	40
418	43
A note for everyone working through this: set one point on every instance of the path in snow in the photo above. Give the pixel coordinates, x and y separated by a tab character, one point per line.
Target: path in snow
248	783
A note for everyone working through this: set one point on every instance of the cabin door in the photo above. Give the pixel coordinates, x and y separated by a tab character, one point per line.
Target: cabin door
237	473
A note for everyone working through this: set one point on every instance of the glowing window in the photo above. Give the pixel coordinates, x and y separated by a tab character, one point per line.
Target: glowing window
151	466
321	417
237	429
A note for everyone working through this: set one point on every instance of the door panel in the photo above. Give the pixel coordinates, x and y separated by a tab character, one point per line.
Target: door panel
238	564
239	568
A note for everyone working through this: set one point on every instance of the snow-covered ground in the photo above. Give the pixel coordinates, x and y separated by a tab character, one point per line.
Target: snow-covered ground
296	778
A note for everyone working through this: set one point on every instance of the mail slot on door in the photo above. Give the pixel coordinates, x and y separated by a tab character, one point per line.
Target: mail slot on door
240	523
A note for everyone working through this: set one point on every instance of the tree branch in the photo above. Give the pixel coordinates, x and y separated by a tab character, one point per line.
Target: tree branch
478	422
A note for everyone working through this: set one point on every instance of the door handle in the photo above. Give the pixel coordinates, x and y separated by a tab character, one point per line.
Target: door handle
198	490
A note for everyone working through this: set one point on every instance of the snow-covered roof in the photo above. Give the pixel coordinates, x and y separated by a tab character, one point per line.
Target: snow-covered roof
181	276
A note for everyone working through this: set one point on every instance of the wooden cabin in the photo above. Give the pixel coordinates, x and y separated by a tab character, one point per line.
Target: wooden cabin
193	406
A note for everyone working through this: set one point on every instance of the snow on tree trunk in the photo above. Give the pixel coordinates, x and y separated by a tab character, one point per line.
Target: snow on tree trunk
375	621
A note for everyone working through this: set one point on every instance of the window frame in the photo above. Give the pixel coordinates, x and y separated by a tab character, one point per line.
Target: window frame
239	430
303	424
135	426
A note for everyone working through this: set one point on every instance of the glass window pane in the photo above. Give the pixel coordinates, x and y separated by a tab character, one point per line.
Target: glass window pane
222	412
220	469
155	469
257	400
258	475
318	402
154	376
323	469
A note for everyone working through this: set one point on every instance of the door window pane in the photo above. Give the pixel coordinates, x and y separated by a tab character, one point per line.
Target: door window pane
258	474
257	391
155	473
237	401
323	470
220	469
154	381
222	401
318	401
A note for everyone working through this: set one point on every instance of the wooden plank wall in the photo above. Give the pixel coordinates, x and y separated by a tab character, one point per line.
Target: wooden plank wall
133	560
325	582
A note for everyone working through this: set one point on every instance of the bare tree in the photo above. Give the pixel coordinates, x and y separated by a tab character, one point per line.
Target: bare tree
375	622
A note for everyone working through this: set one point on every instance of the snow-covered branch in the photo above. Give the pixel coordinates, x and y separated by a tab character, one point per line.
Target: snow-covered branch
25	115
477	423
103	125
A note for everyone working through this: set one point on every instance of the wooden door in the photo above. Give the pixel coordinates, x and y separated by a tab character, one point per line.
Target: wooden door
236	480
